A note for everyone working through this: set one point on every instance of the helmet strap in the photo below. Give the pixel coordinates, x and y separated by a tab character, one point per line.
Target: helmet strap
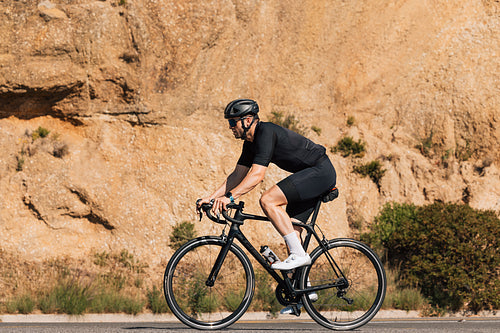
245	129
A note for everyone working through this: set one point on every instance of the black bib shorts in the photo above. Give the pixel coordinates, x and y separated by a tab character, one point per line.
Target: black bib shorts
303	188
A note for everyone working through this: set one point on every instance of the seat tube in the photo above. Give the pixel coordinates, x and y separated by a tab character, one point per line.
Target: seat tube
307	239
222	255
316	211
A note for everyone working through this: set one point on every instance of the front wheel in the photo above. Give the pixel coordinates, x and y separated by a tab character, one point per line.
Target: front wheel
192	300
359	279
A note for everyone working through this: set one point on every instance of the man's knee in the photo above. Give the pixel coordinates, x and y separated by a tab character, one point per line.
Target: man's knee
265	200
272	197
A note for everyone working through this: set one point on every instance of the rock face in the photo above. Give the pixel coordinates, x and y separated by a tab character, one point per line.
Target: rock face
132	93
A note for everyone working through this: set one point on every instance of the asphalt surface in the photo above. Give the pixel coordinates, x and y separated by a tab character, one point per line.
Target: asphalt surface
386	321
422	325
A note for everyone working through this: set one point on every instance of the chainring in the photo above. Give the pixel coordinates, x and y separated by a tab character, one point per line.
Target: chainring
284	297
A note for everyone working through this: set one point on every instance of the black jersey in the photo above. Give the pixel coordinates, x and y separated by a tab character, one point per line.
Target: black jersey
288	150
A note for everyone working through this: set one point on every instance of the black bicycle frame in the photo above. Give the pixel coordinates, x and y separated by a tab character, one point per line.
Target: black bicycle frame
235	233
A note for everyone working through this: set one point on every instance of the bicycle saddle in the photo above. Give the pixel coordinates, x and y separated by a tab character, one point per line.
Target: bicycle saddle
330	195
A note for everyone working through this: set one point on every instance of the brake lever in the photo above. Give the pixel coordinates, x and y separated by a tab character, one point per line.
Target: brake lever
198	209
204	207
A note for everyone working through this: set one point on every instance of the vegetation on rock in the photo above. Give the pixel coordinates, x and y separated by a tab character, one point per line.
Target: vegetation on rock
448	251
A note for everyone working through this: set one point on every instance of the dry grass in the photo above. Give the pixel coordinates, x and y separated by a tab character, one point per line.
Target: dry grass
103	282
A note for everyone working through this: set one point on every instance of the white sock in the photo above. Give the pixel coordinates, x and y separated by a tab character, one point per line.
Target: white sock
294	244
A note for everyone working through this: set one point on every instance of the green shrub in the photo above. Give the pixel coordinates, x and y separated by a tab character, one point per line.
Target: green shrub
128	261
265	297
449	251
372	169
316	129
182	233
131	305
405	299
68	296
40	132
40	141
402	298
47	302
446	156
156	301
200	300
464	153
233	299
110	290
24	304
350	121
347	146
426	146
109	301
101	259
20	162
390	220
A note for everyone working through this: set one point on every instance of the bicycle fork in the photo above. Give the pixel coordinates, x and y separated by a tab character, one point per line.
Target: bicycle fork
228	239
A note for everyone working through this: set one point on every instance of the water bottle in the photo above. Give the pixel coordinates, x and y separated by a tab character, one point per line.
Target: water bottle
270	256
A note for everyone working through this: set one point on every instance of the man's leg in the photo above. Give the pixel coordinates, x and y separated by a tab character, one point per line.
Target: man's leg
298	230
272	203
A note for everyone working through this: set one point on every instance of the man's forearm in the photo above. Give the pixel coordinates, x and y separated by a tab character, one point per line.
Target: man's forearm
220	191
232	181
252	179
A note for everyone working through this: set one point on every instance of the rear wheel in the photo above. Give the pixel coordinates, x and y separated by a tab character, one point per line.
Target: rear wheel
195	303
360	290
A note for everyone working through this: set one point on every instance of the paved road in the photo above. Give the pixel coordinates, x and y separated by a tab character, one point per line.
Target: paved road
379	326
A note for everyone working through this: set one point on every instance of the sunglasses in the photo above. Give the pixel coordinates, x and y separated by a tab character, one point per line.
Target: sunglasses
233	122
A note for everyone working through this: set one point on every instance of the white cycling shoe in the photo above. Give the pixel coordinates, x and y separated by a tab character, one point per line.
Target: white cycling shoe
290	310
293	261
313	296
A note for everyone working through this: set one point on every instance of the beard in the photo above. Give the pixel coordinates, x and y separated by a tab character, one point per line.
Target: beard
236	135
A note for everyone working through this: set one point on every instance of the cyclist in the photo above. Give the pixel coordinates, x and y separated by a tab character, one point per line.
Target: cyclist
312	175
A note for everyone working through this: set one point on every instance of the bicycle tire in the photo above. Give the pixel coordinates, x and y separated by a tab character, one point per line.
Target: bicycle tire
366	288
198	305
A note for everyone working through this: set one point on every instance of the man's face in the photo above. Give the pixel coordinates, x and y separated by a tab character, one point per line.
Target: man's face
236	127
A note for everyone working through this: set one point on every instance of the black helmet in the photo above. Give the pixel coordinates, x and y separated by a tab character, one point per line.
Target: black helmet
241	108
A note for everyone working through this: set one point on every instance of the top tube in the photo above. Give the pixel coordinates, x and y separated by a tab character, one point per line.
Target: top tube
239	217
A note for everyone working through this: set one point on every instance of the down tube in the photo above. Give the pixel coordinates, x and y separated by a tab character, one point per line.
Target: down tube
250	248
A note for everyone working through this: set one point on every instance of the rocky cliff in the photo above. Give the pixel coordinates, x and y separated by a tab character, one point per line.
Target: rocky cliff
110	111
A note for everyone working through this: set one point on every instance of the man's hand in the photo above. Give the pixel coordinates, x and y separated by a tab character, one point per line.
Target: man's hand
202	201
199	203
220	204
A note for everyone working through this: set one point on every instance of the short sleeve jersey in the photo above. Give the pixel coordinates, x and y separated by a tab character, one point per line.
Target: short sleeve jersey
288	150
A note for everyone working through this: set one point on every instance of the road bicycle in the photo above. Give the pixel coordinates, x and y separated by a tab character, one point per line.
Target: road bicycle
209	282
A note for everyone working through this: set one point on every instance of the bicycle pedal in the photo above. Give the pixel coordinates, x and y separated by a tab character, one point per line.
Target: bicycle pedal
296	310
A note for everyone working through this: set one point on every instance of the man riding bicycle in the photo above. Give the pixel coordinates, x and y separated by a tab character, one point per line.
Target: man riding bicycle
312	175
